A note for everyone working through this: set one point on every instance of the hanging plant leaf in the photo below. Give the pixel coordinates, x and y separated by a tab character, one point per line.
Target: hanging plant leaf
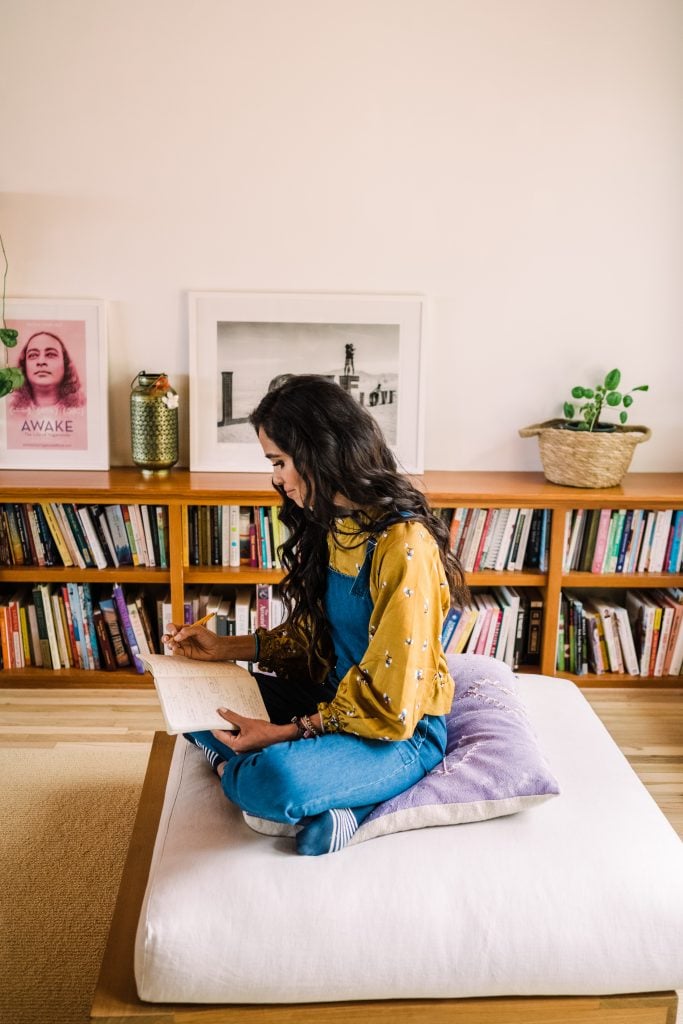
11	378
9	336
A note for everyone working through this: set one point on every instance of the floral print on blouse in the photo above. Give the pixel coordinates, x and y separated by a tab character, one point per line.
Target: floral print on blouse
403	674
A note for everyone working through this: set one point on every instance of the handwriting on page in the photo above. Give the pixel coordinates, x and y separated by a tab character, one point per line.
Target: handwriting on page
189	706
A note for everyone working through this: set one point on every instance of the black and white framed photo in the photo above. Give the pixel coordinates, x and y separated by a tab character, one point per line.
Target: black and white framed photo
243	343
58	418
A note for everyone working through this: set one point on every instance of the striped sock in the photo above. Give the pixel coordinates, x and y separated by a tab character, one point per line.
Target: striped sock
212	756
330	831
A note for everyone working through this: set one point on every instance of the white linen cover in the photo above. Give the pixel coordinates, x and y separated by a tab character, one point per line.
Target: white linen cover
581	895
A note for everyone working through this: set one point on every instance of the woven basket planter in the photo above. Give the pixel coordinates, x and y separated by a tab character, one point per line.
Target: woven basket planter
582	458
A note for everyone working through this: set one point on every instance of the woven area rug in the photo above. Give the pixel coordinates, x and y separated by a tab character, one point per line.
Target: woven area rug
65	821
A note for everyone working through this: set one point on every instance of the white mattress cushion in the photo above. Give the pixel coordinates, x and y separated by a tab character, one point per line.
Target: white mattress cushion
582	895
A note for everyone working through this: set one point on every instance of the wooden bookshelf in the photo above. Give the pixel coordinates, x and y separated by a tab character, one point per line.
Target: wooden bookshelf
444	489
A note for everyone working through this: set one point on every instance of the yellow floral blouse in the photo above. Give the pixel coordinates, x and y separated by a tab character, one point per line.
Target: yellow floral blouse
403	674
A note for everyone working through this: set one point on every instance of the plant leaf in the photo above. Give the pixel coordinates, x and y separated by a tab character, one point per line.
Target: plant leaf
582	426
9	336
613	398
641	387
612	380
568	410
11	378
623	416
588	393
578	393
627	402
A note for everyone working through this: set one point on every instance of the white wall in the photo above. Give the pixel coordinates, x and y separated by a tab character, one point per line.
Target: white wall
517	161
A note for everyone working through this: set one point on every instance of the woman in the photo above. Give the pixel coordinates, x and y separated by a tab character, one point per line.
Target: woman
361	685
51	378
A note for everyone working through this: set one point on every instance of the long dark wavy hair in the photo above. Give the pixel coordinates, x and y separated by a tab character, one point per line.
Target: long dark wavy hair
339	450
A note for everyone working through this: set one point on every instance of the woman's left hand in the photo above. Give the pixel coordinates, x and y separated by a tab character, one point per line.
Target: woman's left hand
253	734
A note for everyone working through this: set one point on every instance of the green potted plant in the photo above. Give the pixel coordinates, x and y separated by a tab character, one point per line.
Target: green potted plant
11	377
583	450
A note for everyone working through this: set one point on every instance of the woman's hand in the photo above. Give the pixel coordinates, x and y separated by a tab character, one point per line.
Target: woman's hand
196	642
253	733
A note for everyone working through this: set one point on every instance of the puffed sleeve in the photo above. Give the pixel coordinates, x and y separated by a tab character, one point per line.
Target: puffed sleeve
403	674
283	651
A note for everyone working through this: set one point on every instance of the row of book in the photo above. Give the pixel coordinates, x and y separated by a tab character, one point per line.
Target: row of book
636	632
503	539
503	622
623	540
89	626
234	535
85	536
235	609
64	626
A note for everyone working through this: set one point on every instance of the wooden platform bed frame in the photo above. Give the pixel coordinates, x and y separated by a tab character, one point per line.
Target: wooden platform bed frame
116	999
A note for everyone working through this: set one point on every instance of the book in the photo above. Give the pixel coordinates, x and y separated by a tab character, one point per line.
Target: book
646	541
574	524
534	627
162	534
88	523
484	540
641	616
149	533
102	527
589	538
55	529
675	662
518	554
628	649
462	631
660	537
449	624
127	632
601	540
614	540
676	551
190	692
625	540
42	592
667	598
74	535
119	534
506	540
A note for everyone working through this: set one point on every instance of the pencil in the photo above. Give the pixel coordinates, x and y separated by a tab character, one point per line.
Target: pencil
204	619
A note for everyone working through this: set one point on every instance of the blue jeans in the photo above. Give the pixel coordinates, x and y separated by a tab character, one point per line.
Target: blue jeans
291	781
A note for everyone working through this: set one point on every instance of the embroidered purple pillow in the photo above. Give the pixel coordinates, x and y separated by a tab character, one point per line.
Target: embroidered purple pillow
493	764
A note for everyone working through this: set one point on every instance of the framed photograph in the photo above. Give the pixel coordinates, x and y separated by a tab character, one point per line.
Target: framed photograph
244	343
59	418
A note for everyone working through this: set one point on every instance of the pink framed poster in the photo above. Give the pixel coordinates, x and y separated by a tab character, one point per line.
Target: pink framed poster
59	418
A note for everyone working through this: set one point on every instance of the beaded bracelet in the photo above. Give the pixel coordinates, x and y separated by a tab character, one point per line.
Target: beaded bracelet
305	730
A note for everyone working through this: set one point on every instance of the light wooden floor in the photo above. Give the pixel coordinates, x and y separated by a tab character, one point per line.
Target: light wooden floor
647	725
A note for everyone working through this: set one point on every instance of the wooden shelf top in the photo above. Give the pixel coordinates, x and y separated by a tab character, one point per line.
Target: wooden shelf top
445	488
533	490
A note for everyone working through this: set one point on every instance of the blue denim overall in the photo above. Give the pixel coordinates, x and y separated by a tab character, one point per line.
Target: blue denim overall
291	781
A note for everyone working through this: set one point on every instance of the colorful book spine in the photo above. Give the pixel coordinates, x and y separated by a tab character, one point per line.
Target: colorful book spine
126	627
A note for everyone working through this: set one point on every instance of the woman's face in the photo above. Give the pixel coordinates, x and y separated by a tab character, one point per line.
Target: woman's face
285	474
44	361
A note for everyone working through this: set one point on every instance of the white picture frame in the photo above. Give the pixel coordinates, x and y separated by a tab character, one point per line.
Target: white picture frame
73	431
242	341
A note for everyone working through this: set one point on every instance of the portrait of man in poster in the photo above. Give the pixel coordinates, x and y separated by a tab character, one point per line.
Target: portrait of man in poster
49	410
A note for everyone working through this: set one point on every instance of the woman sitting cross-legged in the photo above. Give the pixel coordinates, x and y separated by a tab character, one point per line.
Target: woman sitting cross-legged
359	684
